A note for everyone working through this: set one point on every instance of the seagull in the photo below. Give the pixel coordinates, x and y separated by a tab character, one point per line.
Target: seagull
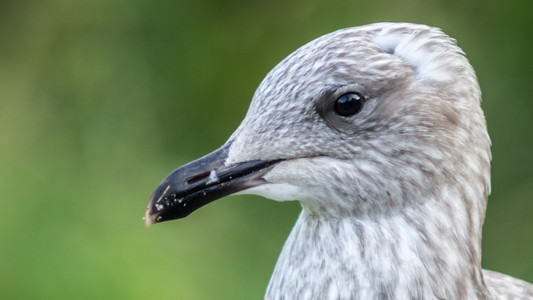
378	132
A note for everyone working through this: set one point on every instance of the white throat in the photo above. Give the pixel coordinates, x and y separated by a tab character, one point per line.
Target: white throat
392	257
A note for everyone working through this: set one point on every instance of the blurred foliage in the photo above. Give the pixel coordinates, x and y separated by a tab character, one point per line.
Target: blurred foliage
99	100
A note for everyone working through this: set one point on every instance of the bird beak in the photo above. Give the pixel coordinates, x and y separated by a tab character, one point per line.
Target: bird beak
201	182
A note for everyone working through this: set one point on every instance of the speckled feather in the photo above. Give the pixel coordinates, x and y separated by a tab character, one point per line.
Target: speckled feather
394	197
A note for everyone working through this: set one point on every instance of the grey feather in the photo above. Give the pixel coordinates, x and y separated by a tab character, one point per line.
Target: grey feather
393	198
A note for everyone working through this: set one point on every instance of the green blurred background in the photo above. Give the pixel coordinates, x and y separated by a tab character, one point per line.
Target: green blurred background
100	99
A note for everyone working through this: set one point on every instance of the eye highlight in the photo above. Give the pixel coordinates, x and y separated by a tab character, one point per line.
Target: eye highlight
349	104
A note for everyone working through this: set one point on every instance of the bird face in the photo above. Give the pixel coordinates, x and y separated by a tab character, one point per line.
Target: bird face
354	122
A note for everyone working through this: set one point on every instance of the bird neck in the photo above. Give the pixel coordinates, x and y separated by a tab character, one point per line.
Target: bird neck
398	256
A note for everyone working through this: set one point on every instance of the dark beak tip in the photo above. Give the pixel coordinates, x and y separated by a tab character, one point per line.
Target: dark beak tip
200	182
152	214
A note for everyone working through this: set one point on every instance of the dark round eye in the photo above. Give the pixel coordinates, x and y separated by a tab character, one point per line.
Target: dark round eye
349	104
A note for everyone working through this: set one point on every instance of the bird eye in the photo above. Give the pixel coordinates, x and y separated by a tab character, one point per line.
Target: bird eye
349	104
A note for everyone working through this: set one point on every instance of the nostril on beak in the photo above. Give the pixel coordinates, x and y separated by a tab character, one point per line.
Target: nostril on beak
198	177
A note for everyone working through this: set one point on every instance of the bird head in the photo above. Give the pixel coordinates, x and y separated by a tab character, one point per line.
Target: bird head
364	120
